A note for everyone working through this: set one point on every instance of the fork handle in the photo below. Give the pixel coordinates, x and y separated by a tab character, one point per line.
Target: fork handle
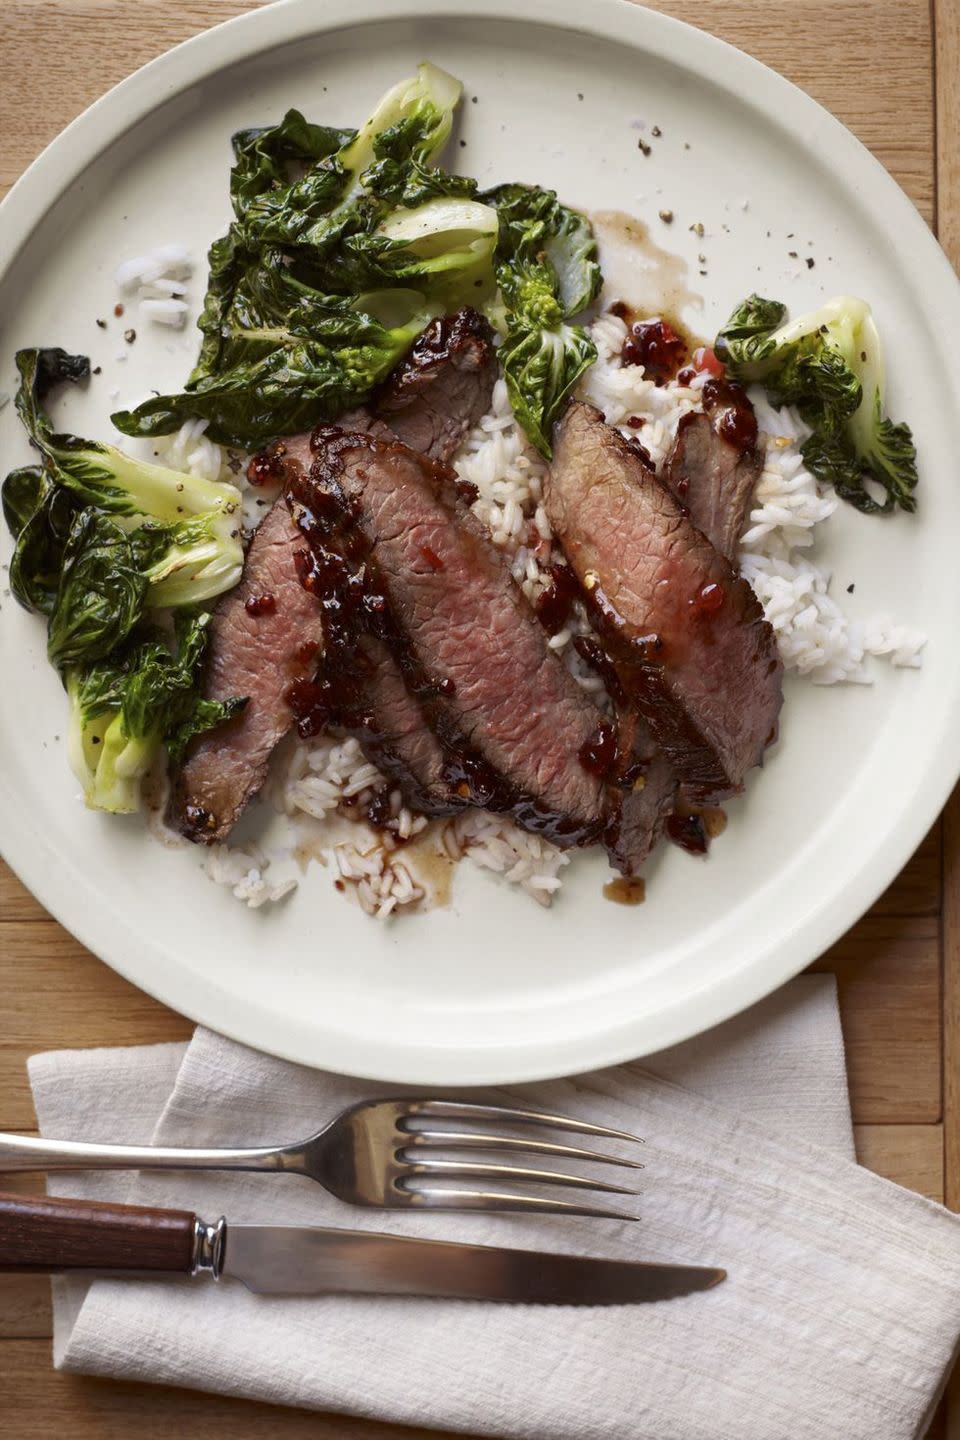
46	1234
30	1152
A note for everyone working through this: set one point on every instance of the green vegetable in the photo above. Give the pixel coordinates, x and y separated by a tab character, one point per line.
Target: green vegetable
445	246
829	364
39	515
291	358
100	595
124	708
297	323
100	474
101	538
547	272
173	539
326	222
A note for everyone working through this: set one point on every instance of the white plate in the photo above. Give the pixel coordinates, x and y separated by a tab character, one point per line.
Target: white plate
493	989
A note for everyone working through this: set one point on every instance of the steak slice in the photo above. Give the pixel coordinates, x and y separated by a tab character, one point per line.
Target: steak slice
715	464
643	797
443	387
364	694
686	633
397	550
259	655
452	364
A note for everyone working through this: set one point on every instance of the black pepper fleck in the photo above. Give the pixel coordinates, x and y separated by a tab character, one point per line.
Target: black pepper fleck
792	254
686	145
463	144
473	99
850	589
129	336
863	356
579	94
102	324
656	131
642	145
97	370
810	262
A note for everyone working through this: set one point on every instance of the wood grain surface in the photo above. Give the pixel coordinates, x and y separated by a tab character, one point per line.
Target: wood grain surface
40	1233
890	70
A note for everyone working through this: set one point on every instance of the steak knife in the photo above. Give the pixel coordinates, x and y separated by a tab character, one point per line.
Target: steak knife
40	1234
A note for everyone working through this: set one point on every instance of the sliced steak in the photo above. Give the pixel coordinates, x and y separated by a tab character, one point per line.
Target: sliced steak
259	654
643	797
686	633
396	549
436	395
363	693
715	464
443	387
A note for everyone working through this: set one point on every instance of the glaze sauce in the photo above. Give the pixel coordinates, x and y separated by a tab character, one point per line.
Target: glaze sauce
554	605
260	605
624	891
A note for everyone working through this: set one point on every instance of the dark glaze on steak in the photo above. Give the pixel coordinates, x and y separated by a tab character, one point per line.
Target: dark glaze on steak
686	633
437	394
443	387
397	552
715	464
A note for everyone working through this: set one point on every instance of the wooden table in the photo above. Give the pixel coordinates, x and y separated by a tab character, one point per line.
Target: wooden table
890	70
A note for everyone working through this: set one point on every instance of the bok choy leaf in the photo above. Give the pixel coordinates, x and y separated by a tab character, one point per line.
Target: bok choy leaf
101	534
122	709
547	270
323	219
829	364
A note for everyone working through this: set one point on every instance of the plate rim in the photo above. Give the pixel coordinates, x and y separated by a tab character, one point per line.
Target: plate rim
26	851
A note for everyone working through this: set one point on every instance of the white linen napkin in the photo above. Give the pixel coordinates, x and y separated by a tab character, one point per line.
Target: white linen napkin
839	1317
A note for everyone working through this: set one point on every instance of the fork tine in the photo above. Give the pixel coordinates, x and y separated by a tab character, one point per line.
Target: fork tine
459	1170
437	1198
464	1110
482	1140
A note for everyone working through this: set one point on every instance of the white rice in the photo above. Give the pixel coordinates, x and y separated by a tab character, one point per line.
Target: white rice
188	449
323	782
243	870
159	279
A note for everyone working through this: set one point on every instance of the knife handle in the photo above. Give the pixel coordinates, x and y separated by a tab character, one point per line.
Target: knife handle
40	1233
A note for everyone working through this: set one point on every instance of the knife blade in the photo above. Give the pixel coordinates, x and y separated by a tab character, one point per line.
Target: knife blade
294	1260
48	1233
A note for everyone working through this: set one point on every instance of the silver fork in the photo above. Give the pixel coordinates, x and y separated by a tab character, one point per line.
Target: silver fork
382	1153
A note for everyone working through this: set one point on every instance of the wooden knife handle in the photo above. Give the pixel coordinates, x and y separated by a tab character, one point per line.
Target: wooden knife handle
40	1234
